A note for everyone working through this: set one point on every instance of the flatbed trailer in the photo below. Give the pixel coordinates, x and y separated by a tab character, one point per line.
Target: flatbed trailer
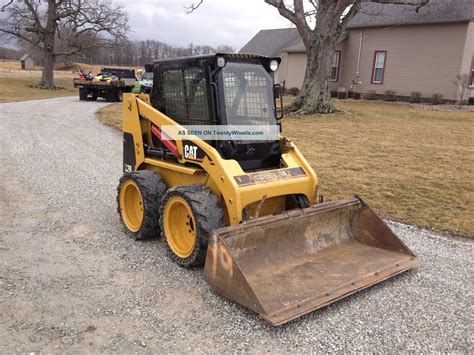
110	90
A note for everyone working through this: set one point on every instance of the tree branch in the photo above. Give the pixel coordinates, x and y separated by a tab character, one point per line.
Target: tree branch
297	17
6	5
192	7
417	3
34	13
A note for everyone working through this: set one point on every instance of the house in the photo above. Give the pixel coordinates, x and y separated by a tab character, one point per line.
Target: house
393	47
27	62
271	43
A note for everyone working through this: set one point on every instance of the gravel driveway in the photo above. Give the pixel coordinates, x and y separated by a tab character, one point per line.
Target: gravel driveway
70	279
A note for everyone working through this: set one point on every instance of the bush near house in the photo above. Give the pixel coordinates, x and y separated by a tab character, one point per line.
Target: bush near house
293	91
341	93
370	95
415	97
390	95
437	99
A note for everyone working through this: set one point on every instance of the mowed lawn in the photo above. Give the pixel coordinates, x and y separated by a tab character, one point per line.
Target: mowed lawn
412	165
18	85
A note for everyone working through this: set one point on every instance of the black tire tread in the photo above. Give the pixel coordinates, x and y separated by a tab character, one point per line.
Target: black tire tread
152	189
82	94
208	215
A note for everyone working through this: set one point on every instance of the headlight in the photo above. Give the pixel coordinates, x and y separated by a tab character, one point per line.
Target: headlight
221	62
274	65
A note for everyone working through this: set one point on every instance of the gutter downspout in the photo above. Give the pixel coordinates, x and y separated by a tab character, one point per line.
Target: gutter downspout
356	80
360	53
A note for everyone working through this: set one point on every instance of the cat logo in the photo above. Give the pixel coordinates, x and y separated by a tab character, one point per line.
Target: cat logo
190	152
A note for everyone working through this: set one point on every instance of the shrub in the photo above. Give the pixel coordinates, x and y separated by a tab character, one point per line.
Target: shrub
341	93
370	95
390	95
471	101
437	99
333	93
415	97
293	91
356	95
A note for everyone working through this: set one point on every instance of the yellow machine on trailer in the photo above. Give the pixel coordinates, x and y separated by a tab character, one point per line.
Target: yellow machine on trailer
248	209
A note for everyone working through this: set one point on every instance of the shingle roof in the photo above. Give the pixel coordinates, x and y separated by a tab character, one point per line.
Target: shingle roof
270	43
436	11
24	57
298	45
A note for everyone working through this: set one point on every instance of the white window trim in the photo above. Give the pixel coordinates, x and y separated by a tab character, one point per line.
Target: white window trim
377	53
338	56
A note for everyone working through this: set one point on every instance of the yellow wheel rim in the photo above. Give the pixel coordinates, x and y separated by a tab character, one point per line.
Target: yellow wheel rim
180	226
131	205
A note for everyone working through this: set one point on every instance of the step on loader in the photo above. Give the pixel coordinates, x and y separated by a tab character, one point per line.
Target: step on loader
247	210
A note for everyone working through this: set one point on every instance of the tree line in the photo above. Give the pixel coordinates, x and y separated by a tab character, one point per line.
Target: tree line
139	53
123	53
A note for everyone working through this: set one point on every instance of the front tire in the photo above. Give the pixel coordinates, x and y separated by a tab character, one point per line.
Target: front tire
139	196
188	215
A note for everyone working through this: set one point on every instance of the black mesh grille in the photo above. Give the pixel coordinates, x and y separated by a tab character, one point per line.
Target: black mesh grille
248	95
184	95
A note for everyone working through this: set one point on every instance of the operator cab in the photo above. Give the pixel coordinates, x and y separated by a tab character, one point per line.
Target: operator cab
223	89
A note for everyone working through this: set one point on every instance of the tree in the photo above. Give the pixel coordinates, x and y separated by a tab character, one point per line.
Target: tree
330	18
62	27
462	83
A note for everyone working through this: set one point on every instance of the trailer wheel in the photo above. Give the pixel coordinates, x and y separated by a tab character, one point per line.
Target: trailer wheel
139	196
187	217
82	94
110	96
118	95
94	96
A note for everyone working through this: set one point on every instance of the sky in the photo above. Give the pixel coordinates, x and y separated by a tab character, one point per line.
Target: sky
215	22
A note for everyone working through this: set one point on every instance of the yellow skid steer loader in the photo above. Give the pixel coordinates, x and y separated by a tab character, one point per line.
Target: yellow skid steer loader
246	209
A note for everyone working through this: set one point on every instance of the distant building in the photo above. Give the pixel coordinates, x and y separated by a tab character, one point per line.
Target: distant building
27	62
272	43
392	47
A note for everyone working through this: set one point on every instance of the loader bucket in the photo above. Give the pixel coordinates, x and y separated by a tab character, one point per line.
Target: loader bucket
287	265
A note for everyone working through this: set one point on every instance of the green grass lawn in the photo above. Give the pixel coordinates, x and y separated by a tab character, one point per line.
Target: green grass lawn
412	165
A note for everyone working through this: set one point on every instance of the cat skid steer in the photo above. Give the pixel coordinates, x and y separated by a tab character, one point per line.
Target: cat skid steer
248	210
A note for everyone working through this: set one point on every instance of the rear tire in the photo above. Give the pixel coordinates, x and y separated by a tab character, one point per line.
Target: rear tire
139	196
188	214
118	95
82	94
110	96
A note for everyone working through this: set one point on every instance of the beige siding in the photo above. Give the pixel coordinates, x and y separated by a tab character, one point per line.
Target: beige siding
468	57
292	69
423	58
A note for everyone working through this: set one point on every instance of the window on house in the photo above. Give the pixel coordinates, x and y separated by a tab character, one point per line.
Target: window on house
335	66
472	72
379	67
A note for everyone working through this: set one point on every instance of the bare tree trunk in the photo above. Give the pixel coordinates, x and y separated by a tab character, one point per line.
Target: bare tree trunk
47	77
315	95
